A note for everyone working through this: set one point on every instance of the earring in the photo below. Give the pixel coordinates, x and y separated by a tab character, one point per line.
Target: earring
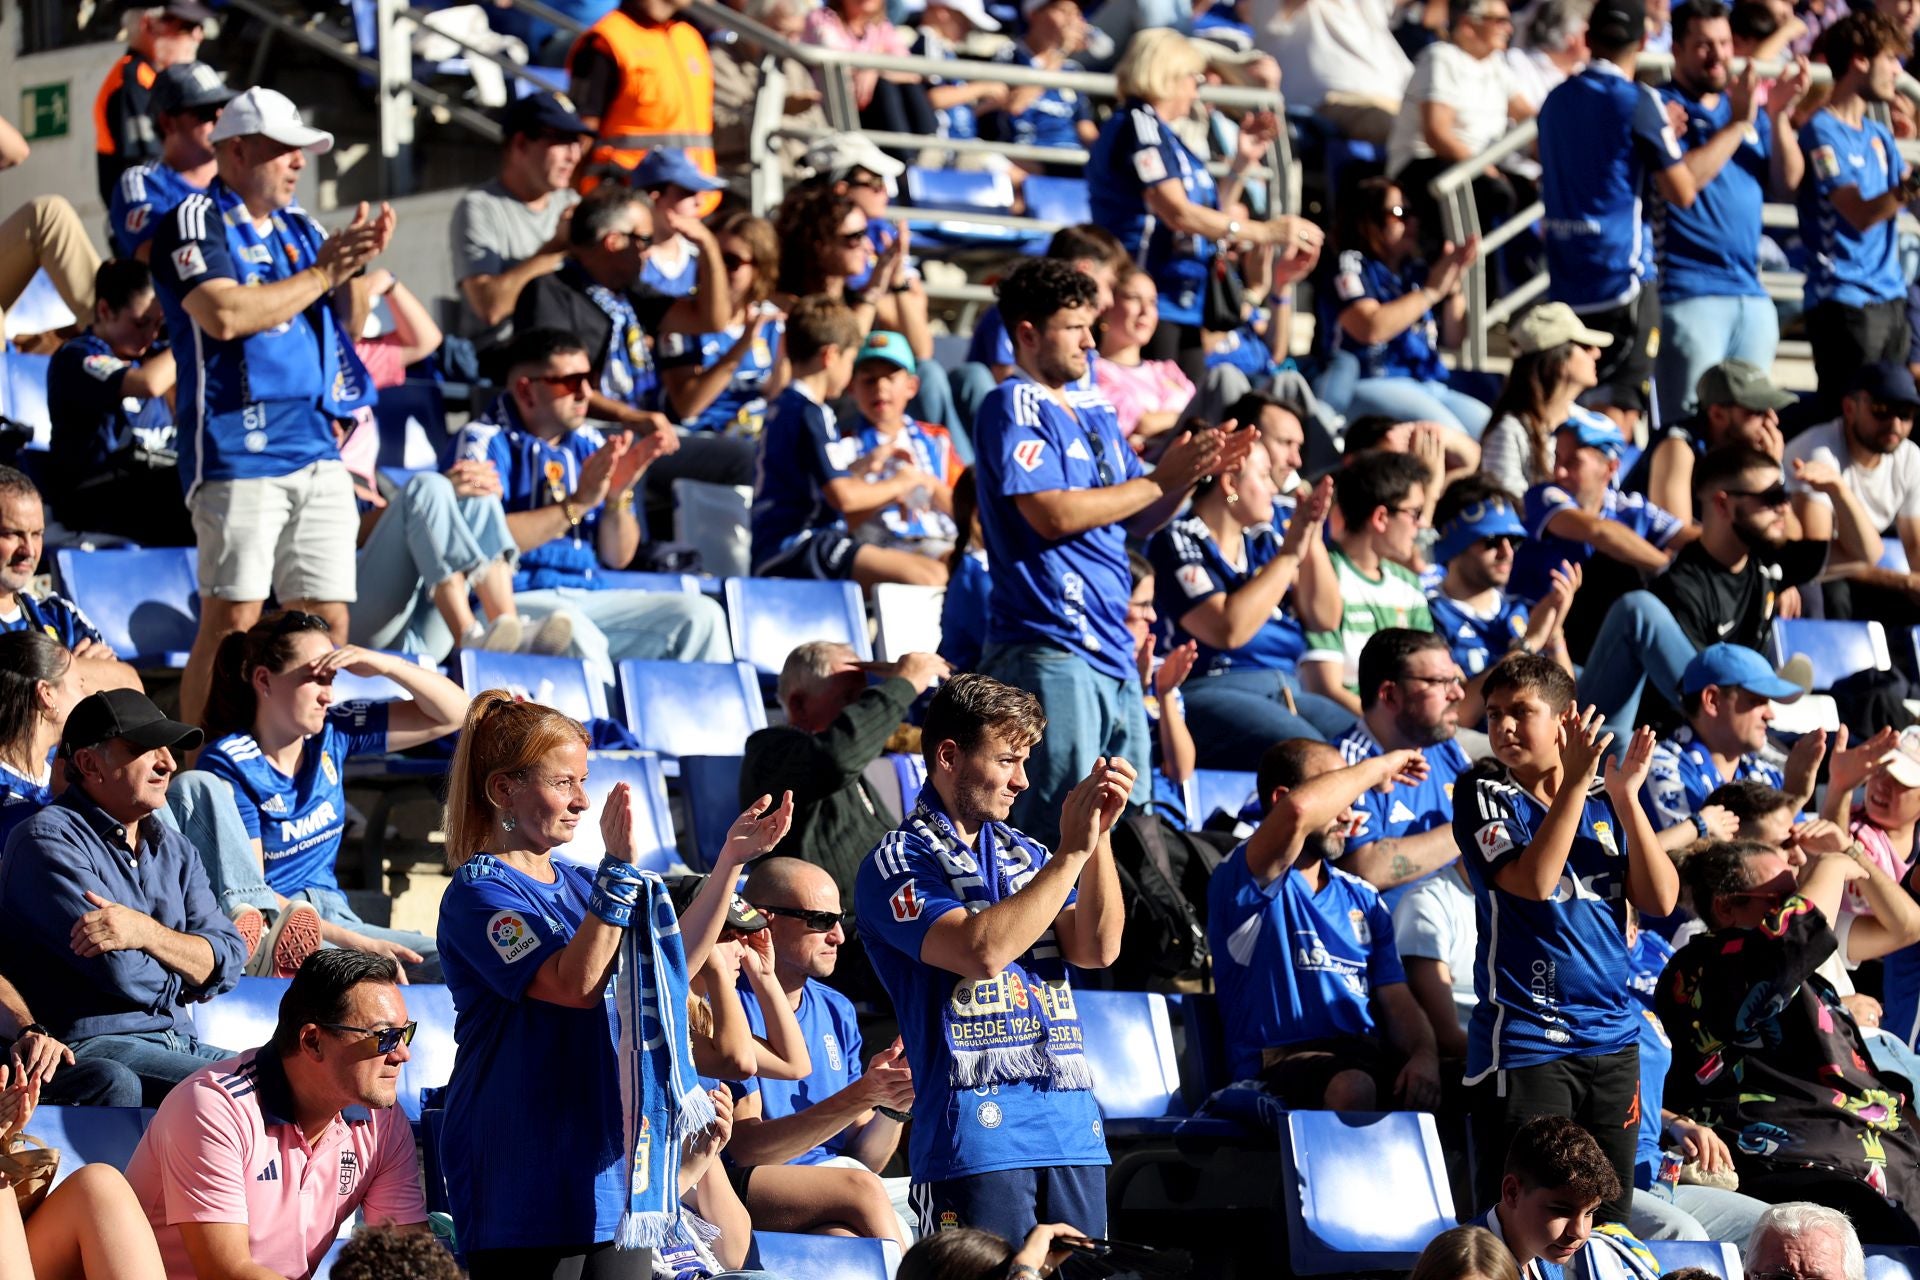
1232	498
507	822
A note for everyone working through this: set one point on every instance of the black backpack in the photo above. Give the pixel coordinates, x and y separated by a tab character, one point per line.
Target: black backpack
1164	872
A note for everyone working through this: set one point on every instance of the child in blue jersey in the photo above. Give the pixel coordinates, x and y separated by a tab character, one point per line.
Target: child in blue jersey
275	735
677	188
1312	994
722	381
811	482
1555	862
971	926
963	610
884	383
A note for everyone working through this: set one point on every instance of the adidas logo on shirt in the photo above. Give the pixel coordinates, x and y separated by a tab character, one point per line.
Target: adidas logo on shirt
1400	812
269	1174
275	805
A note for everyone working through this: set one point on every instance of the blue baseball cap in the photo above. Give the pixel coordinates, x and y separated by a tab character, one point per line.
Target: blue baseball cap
669	167
1734	666
1489	519
1592	430
543	113
890	347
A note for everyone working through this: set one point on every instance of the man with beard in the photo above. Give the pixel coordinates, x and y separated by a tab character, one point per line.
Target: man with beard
1410	692
1870	455
1314	1000
1060	492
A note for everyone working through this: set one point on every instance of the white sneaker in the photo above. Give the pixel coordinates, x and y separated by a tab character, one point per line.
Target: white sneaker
553	636
504	634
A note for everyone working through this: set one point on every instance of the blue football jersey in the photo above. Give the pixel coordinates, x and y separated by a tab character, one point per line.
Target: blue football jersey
1712	248
1844	265
1414	352
1477	641
1405	810
801	450
831	1030
536	473
1137	150
741	406
1535	559
145	195
55	615
1189	570
1684	775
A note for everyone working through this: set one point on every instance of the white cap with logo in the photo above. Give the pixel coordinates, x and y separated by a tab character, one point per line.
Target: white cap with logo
271	115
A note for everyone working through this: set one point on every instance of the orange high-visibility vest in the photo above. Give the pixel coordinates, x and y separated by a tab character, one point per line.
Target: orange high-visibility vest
666	92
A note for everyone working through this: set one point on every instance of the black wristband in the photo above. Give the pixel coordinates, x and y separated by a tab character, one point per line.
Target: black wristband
35	1029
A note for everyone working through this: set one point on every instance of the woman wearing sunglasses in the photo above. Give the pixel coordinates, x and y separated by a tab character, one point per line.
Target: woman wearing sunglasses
824	244
1555	360
533	1149
276	735
722	382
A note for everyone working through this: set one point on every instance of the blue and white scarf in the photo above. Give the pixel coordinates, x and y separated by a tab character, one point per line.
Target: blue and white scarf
1022	1024
626	367
661	1102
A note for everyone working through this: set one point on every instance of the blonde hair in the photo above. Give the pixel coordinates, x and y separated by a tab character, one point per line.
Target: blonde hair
502	735
1155	63
1462	1252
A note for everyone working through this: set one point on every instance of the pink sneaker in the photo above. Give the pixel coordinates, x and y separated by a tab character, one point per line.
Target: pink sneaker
294	937
250	924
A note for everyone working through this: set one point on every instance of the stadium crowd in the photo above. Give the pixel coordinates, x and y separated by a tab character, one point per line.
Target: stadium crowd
1525	845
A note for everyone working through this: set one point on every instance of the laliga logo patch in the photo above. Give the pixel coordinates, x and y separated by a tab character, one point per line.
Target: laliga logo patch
906	903
510	935
1193	579
1027	453
188	262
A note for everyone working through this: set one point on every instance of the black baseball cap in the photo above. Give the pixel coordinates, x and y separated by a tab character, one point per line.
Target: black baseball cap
543	113
1886	381
1616	24
124	713
188	86
742	916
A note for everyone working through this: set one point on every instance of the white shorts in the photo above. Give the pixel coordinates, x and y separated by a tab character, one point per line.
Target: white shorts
292	535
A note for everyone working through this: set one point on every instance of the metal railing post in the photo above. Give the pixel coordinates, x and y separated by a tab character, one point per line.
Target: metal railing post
395	99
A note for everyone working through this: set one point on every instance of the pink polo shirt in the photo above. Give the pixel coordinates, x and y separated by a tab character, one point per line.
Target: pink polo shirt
224	1148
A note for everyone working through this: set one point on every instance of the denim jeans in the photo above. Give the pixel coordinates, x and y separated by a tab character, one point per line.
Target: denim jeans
1089	715
1236	715
94	1082
612	626
161	1059
427	535
970	384
1639	641
1410	400
935	402
1698	333
201	808
1694	1213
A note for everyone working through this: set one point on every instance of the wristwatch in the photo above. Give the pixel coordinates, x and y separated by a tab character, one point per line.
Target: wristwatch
1233	228
35	1029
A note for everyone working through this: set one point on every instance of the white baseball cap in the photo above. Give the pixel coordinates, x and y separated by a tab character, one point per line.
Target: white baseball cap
271	115
972	10
835	157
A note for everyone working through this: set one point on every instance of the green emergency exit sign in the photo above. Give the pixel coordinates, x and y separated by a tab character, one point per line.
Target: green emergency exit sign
44	111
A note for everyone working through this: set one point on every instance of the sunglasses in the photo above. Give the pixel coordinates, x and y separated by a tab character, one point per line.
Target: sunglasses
853	239
1887	412
1771	496
1498	542
293	621
733	261
571	383
385	1039
816	921
869	182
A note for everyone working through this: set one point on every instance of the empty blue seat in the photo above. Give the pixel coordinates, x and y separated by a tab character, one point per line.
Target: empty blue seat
641	771
1836	649
819	1257
560	683
145	602
711	787
1892	1262
89	1135
430	1061
1211	789
636	580
769	617
243	1018
325	1270
1365	1191
691	708
960	191
1714	1255
1136	1075
26	394
1059	200
412	420
912	774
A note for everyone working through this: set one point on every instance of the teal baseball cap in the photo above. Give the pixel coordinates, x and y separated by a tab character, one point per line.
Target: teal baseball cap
890	347
1594	431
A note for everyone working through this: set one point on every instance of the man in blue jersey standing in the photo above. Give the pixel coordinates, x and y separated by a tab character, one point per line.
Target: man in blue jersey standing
971	925
247	280
187	101
1060	489
1857	184
1602	136
1710	294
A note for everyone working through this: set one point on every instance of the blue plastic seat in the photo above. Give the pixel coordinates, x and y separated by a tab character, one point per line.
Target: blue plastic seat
348	687
430	1057
641	771
1059	200
412	421
819	1257
1713	1255
1212	789
26	394
1836	649
711	787
1365	1191
1136	1074
243	1018
560	683
1892	1262
144	601
691	708
959	191
636	580
89	1135
768	617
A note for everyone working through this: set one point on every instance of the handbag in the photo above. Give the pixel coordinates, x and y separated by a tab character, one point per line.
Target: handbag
30	1170
1225	307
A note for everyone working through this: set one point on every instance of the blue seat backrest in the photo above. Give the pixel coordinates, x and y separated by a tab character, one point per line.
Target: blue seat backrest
641	771
959	190
89	1135
560	683
637	580
413	401
770	616
691	708
1207	1065
819	1257
144	601
912	773
1716	1256
711	785
1836	649
1365	1191
430	1061
1211	789
1893	1262
348	687
242	1018
1129	1040
26	400
1061	200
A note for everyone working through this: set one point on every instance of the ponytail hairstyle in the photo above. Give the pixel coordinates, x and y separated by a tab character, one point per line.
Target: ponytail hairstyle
28	659
268	644
502	735
966	503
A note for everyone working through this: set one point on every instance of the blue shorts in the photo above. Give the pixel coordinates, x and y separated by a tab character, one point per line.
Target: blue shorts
1011	1202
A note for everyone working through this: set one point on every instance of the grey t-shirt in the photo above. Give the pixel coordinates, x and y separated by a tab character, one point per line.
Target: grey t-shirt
492	232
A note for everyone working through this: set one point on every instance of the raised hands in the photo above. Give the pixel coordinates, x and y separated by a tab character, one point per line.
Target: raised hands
1584	741
1174	670
757	830
1626	776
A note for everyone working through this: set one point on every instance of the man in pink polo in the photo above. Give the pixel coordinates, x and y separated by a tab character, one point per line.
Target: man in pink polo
251	1165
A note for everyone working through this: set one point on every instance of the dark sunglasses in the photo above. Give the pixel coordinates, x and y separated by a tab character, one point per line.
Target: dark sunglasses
1771	496
1886	412
385	1039
853	239
207	114
733	261
1497	542
293	621
816	921
571	383
869	181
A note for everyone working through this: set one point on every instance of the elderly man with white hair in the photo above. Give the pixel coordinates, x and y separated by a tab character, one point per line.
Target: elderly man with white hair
1799	1240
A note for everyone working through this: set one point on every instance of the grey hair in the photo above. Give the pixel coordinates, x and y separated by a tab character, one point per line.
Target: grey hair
809	665
1555	23
1798	1218
765	11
